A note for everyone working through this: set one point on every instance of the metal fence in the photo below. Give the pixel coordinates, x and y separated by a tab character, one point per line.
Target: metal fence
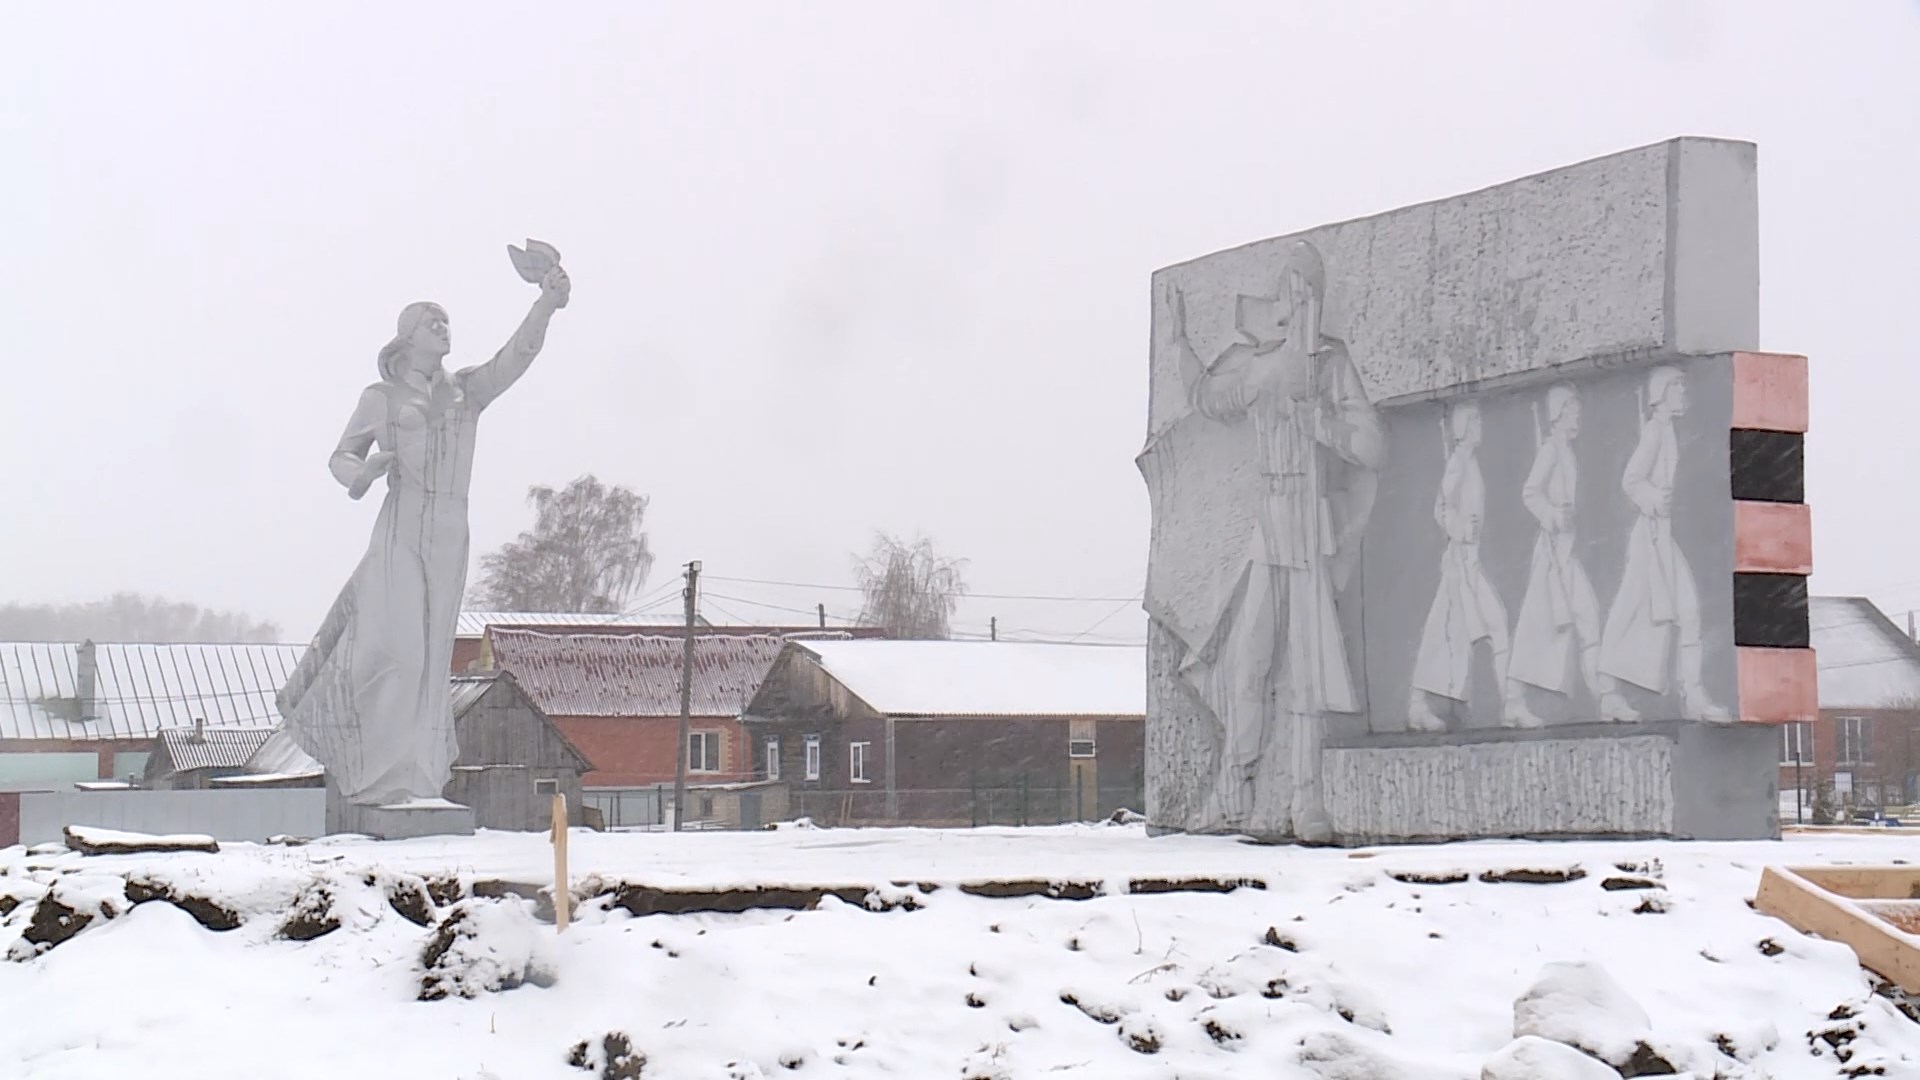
629	809
1838	795
986	799
1016	799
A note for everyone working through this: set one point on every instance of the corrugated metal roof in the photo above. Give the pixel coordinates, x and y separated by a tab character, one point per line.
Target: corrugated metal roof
475	623
466	690
987	678
139	689
634	674
215	748
1865	661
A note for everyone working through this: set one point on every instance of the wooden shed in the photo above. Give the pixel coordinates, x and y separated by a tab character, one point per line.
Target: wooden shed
512	758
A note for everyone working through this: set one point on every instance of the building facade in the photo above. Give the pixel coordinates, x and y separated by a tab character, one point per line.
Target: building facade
943	733
1864	749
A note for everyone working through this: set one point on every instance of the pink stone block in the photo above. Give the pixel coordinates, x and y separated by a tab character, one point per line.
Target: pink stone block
1778	686
1770	391
1772	538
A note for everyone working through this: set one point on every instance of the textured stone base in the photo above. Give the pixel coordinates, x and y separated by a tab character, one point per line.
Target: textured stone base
1679	780
425	817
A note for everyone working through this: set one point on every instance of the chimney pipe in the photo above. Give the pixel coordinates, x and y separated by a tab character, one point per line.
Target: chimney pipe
199	729
86	682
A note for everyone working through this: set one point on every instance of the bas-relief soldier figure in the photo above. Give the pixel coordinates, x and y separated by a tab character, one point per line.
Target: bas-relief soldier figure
369	700
1652	634
1278	660
1558	632
1466	610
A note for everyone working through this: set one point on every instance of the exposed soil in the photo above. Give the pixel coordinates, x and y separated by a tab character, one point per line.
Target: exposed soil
207	913
1529	876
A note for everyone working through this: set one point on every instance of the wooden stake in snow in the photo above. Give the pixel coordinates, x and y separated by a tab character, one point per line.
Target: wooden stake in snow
562	889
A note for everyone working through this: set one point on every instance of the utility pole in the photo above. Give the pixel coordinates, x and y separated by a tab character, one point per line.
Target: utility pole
823	616
691	594
1912	634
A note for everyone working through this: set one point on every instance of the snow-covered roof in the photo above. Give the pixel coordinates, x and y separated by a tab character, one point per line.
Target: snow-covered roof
1865	661
139	689
988	678
213	748
474	624
634	674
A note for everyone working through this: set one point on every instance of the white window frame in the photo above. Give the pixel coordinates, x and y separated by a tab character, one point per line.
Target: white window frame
1074	748
857	763
1796	735
546	785
772	754
813	757
1853	741
708	740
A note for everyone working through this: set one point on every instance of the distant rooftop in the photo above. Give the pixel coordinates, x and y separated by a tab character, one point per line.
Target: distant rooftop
981	678
587	674
1865	661
139	689
475	623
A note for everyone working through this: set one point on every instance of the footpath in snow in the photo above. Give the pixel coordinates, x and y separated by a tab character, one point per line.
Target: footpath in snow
992	954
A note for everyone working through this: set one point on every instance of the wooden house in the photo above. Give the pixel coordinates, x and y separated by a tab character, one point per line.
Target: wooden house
512	759
951	733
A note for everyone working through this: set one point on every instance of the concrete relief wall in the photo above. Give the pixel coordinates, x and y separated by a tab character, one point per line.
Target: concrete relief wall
1456	468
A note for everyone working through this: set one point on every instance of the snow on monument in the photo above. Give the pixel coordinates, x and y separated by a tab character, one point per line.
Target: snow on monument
1480	518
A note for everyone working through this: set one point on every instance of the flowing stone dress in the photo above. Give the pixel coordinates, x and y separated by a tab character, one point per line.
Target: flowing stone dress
369	700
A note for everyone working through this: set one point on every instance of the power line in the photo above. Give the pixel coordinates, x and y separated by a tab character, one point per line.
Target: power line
963	596
1124	605
810	612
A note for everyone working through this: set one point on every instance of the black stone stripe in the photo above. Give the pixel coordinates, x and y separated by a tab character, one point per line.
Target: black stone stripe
1770	610
1768	466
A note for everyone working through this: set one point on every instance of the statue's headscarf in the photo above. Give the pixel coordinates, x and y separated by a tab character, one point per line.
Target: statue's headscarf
1660	384
1559	395
1304	259
410	319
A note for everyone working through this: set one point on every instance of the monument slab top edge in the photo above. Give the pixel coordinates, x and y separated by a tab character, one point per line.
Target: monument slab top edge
1668	146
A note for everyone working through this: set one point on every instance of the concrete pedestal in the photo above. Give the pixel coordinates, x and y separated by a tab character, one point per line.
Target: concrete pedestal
1681	780
400	821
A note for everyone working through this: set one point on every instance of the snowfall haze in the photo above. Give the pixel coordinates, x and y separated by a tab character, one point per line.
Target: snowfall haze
867	266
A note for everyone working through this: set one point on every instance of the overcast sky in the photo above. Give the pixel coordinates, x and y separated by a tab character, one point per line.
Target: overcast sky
837	267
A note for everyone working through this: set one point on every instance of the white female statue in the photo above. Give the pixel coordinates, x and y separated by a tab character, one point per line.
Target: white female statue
369	700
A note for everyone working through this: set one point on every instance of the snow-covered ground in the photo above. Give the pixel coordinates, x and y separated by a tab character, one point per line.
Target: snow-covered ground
1368	965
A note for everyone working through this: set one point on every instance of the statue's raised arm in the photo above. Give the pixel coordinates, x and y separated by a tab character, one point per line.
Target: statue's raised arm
539	263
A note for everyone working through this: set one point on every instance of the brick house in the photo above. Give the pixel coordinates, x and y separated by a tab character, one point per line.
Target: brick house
952	733
1864	750
616	696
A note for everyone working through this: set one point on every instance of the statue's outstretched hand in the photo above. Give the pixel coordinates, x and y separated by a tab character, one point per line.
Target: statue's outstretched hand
555	287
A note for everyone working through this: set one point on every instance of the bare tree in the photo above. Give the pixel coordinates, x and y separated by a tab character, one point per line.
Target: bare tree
908	588
586	552
131	617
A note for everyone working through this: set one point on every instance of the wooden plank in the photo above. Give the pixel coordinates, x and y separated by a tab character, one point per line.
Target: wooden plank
1787	895
562	886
